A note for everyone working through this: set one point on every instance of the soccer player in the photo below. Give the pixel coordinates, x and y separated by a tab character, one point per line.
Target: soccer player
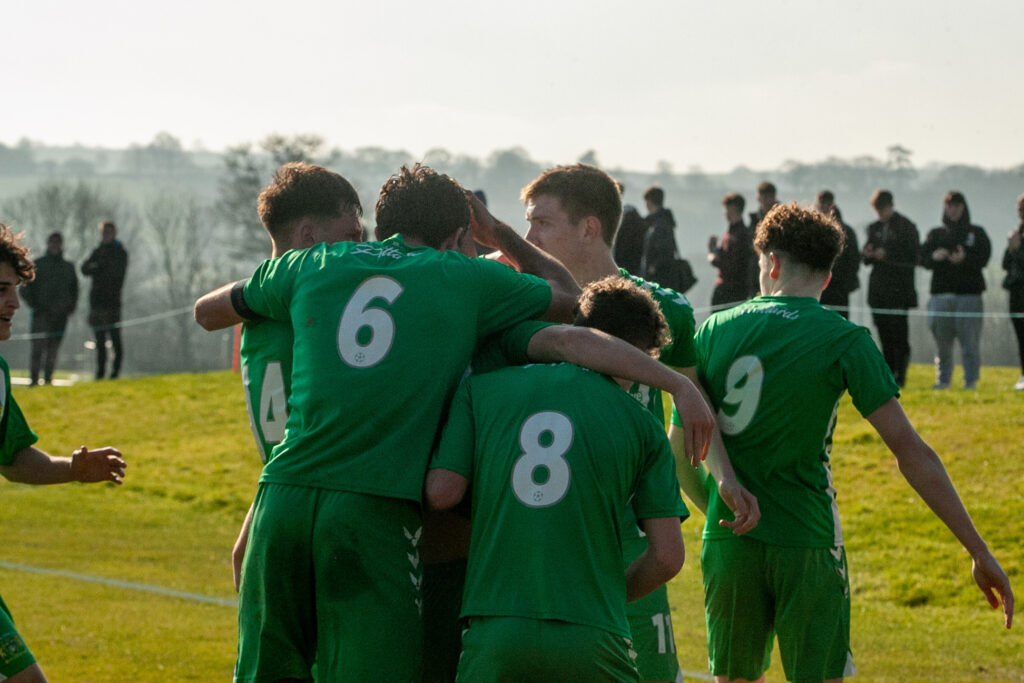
22	462
775	368
554	454
383	332
573	212
303	206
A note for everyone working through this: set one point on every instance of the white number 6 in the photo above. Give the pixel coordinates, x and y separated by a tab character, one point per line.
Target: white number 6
358	314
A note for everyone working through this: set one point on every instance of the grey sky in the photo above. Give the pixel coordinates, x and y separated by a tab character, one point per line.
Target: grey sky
715	84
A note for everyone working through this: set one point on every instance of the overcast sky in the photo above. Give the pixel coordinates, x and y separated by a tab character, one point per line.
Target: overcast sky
714	84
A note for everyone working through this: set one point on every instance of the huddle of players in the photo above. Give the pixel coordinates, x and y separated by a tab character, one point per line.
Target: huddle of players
377	336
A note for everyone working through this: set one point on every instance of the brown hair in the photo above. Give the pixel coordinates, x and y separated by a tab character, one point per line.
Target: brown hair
582	190
620	308
422	203
301	190
807	236
13	252
735	200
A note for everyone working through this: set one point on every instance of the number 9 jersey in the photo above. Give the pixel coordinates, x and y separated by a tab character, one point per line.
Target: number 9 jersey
775	368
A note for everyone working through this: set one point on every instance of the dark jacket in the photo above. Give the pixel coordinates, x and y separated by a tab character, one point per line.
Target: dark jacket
629	240
735	259
844	272
957	278
1013	264
891	283
659	244
106	266
54	291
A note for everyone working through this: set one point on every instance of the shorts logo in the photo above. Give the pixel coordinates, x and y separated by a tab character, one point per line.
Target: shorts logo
416	575
11	647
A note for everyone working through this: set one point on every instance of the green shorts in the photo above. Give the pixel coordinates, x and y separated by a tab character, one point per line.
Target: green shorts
517	649
332	577
754	591
650	620
15	656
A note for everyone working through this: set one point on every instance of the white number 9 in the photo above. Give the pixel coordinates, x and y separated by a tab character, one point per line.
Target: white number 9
742	394
358	314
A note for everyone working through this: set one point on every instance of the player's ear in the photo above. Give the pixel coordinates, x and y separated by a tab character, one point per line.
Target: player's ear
827	280
306	232
776	264
592	228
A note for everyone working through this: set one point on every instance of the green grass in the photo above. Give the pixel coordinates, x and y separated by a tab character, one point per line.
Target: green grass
192	473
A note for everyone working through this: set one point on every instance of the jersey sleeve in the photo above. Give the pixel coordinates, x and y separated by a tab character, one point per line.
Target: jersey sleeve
680	352
455	450
507	297
657	489
868	379
17	435
507	347
268	291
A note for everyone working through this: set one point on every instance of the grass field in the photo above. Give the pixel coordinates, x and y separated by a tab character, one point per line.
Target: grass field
192	470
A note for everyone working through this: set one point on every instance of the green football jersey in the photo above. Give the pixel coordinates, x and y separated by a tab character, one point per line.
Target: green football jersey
679	352
554	453
15	434
775	369
265	356
383	332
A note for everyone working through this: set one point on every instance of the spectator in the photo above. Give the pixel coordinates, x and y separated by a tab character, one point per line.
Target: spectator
956	252
766	199
844	272
1013	264
629	240
733	257
52	296
891	250
660	240
106	266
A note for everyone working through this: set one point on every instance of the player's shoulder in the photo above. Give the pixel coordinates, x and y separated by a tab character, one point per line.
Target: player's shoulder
668	299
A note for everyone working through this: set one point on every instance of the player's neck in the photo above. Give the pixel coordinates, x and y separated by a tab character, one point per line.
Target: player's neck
599	265
795	287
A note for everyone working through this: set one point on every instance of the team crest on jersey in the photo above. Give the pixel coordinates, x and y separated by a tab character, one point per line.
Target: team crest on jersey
11	647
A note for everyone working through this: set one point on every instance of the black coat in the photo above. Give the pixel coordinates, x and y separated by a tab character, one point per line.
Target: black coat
106	266
891	283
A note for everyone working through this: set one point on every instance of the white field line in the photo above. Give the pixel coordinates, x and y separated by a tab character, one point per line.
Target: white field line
130	585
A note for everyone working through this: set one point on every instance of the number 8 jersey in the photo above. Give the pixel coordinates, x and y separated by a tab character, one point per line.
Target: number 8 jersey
775	369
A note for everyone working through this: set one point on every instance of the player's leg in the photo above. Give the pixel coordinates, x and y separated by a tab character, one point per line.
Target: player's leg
368	581
942	323
887	338
17	663
442	633
650	622
518	649
276	620
101	351
968	331
738	608
115	342
812	612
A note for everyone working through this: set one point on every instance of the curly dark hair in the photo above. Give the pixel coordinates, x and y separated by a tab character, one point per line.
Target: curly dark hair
13	252
808	237
422	203
617	306
299	190
582	190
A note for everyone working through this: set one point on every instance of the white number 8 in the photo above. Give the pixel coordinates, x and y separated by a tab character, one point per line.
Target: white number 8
536	455
748	372
358	315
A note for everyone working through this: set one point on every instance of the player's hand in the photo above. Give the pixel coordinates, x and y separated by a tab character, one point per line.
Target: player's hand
237	553
482	222
958	255
102	464
879	253
698	422
991	579
745	510
940	254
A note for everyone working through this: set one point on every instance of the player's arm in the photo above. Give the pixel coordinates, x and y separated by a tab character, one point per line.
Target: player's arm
33	466
662	559
238	551
444	489
526	258
923	470
696	416
223	307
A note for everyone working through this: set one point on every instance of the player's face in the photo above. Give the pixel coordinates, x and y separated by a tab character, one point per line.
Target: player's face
954	211
9	302
346	228
765	202
551	229
732	214
884	213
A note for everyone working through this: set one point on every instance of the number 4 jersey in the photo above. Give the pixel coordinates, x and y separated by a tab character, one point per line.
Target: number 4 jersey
775	369
553	453
383	332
